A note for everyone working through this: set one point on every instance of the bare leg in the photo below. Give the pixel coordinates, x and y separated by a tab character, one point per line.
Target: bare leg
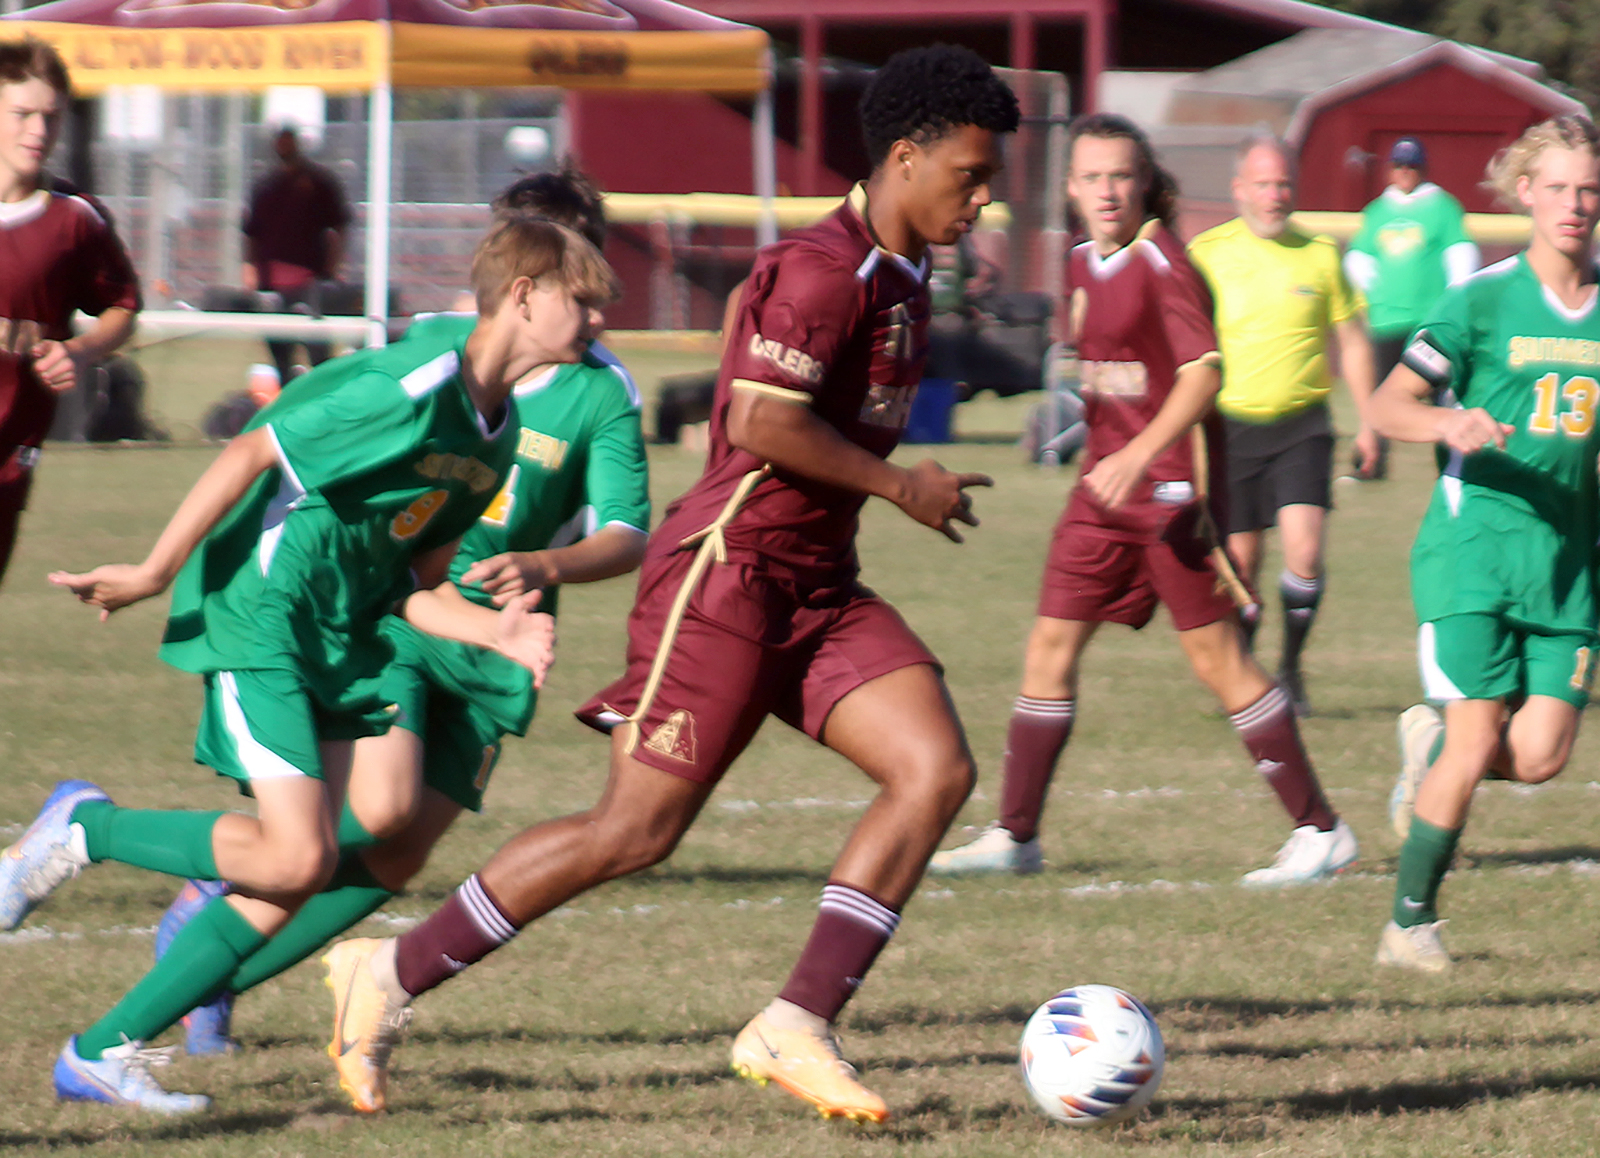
638	821
901	730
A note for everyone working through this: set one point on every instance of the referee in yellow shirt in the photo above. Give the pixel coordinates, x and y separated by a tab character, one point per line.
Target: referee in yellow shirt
1283	306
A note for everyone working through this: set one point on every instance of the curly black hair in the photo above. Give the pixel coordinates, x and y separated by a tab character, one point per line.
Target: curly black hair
922	94
566	196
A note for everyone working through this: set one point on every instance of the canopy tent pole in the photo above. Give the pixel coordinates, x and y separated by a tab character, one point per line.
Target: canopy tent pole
765	162
380	138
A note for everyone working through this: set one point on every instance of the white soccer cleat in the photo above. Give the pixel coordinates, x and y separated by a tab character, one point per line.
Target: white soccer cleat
1417	947
47	856
1308	855
121	1078
994	851
1419	727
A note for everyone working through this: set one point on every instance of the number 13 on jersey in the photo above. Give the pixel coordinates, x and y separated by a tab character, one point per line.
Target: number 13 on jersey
1581	395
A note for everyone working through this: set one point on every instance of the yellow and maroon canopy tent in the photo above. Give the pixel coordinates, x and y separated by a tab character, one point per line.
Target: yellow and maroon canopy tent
374	45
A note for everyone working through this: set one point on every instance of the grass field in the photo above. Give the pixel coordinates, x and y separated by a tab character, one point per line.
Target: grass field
604	1029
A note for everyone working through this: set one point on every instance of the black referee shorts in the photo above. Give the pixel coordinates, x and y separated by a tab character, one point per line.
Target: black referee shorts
1278	464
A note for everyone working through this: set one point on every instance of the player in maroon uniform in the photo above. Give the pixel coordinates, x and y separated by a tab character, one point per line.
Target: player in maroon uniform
57	255
749	606
1140	527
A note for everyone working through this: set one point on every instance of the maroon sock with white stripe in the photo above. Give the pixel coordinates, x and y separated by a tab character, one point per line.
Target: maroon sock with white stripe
851	930
464	930
1038	733
1272	737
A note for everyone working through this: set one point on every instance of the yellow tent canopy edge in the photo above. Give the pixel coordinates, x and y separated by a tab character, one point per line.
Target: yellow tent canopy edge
352	56
437	55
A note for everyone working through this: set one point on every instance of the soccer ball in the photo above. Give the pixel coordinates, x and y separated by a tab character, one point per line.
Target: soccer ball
1091	1056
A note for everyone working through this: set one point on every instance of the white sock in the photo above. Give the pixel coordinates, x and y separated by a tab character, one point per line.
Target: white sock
787	1015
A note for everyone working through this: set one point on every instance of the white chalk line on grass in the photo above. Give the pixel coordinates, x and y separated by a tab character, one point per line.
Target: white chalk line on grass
1151	792
1156	792
1089	891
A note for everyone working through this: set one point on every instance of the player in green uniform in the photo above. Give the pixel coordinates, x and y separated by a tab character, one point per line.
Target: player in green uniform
1501	570
575	508
345	498
1411	245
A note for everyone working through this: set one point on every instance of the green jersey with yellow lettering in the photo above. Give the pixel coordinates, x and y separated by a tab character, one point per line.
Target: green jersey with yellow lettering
382	456
1511	532
579	466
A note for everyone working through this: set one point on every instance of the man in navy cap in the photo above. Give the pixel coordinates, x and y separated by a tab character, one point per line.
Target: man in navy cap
1412	244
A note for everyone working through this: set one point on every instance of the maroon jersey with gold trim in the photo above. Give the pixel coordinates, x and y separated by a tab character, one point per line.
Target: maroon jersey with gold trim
831	320
57	255
1137	317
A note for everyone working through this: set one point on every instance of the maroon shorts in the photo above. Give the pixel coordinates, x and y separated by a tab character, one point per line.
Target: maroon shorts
1114	567
714	648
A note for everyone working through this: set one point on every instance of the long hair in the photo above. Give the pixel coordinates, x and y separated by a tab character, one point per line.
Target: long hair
1160	186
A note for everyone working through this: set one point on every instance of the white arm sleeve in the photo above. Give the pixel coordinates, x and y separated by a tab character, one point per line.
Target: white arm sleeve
1360	268
1460	262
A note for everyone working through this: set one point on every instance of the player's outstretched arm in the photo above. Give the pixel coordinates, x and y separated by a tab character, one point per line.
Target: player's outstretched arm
790	436
1400	410
1116	475
117	585
611	551
517	631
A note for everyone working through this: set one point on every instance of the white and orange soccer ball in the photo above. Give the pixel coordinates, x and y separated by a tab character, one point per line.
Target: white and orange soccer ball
1092	1056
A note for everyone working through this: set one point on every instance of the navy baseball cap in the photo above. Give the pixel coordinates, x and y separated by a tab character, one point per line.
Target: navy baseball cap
1408	151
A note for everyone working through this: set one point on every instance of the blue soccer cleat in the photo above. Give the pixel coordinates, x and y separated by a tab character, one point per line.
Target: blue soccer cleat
47	855
207	1026
120	1078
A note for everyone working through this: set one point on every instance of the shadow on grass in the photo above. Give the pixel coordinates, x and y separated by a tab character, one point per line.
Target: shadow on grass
1385	1100
1199	1012
125	1129
483	1078
1563	855
717	875
1291	1052
550	1036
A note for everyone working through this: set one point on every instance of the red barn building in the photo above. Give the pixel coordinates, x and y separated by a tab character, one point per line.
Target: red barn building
668	143
1343	96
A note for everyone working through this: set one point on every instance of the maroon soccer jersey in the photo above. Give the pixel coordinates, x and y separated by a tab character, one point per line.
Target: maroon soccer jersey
1137	317
832	320
57	255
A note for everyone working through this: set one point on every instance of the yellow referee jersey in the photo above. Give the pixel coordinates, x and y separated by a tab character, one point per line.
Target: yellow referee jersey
1274	303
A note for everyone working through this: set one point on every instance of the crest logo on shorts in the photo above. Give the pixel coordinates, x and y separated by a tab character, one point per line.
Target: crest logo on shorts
674	739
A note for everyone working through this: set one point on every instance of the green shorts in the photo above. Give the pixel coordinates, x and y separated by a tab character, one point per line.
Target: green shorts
1487	657
461	700
264	725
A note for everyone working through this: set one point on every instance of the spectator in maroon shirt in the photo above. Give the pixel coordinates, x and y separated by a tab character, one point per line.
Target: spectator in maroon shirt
294	239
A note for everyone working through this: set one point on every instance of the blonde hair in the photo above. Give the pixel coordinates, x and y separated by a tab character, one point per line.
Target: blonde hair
1518	159
523	244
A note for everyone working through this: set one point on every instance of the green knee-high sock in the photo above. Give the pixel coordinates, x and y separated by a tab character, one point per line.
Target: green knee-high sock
353	835
353	895
1424	859
175	842
199	961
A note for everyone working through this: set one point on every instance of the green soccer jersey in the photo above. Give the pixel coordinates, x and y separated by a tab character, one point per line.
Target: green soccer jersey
381	457
1510	532
580	465
1407	236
